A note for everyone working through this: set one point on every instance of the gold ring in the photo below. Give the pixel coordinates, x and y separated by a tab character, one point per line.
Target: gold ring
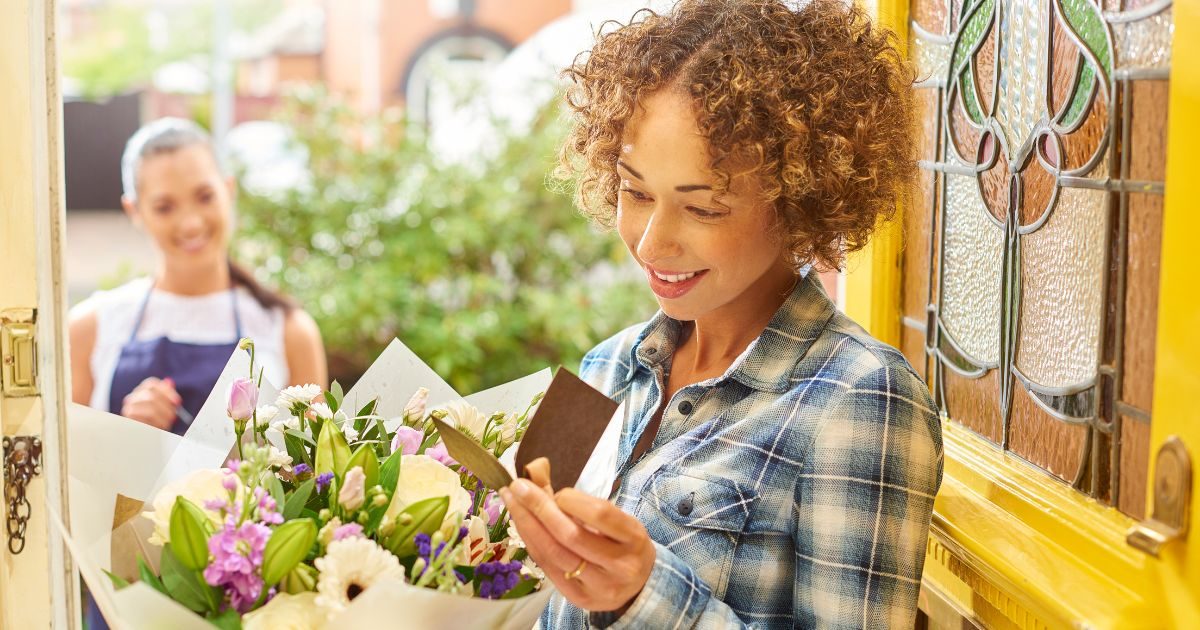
571	575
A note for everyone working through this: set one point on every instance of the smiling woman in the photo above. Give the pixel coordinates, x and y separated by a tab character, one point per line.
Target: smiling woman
777	465
151	350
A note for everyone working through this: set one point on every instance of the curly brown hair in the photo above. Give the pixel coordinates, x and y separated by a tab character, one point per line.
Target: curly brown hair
816	100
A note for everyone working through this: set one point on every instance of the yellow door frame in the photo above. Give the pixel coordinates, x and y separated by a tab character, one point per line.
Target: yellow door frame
1011	547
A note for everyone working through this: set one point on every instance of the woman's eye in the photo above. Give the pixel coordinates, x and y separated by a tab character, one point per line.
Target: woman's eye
705	214
163	209
636	195
205	197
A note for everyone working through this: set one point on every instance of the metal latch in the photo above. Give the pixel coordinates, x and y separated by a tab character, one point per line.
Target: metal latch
1172	500
22	461
18	352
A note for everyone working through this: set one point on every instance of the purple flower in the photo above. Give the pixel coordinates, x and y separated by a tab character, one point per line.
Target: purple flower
407	441
323	480
237	558
492	505
498	578
438	451
301	469
347	531
242	399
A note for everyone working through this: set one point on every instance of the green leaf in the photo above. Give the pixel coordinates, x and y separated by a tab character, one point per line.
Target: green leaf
295	448
389	474
300	435
523	588
334	396
118	581
189	533
147	576
332	450
228	620
185	585
365	457
276	489
368	409
288	545
295	502
427	516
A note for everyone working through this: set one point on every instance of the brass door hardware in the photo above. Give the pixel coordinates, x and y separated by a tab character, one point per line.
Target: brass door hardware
18	352
1172	499
22	461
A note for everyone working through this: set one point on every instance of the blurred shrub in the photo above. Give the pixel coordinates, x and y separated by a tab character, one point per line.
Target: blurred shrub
481	268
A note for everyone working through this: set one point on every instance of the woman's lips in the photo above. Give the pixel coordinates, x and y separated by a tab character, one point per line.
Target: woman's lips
668	290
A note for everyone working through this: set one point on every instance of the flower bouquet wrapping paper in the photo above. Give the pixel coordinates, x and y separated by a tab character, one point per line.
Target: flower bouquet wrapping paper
308	509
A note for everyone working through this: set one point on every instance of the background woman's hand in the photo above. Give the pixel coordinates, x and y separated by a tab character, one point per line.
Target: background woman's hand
152	402
563	531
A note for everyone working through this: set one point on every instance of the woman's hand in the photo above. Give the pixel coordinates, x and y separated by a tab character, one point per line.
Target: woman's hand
598	556
152	402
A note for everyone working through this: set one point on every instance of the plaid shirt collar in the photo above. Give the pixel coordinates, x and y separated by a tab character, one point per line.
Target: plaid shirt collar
796	325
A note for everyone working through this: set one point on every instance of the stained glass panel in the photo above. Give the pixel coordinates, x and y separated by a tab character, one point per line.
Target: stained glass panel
1045	257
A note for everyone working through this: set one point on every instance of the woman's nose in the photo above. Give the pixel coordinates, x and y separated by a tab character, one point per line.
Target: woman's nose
191	221
660	237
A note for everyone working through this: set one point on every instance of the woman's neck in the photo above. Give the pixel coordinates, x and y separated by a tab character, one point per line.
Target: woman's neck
714	342
193	279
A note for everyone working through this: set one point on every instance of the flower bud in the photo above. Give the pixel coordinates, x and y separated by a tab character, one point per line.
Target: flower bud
242	399
380	500
324	515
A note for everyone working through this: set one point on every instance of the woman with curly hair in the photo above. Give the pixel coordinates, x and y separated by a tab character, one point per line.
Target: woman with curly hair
777	465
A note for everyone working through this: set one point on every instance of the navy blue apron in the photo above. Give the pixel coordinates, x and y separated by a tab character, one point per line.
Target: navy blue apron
194	367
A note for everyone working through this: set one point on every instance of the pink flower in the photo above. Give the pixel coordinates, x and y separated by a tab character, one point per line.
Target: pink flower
347	531
243	399
415	409
237	557
407	440
492	505
352	494
438	452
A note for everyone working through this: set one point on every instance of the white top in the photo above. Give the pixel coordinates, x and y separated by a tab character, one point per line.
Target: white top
204	319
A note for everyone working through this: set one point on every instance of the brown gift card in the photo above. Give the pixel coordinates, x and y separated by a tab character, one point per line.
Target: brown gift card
565	429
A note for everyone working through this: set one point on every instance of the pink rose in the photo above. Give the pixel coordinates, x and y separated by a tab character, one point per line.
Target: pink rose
243	399
407	440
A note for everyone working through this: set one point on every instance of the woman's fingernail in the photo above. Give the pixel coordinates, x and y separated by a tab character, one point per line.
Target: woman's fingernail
519	488
504	495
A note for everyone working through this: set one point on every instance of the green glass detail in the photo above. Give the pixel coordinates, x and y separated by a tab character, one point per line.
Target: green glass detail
1079	95
970	98
1085	19
973	31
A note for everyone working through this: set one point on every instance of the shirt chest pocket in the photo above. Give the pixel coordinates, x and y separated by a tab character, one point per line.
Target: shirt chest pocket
700	519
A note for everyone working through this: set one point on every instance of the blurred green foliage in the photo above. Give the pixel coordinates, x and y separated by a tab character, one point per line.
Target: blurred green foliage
483	269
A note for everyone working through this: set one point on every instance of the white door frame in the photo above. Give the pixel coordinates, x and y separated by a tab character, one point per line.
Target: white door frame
38	588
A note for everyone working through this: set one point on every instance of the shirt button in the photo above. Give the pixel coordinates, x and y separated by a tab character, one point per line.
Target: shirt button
685	506
685	407
651	350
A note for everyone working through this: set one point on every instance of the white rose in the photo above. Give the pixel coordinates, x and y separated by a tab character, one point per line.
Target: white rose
466	418
423	477
198	487
287	612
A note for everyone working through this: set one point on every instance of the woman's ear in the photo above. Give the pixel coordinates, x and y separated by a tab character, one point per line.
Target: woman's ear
130	208
231	184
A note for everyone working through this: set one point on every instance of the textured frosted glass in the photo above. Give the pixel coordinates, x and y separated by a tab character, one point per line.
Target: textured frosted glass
932	59
1145	43
971	272
1063	290
1022	68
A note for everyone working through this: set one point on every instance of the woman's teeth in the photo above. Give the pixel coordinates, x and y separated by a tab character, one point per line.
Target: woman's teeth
675	278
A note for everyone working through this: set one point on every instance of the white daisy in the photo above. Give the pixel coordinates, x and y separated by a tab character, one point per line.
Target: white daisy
351	566
297	394
321	410
466	418
266	414
277	458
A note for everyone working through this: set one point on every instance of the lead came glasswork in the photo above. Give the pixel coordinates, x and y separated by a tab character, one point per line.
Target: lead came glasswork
971	276
1063	291
1021	285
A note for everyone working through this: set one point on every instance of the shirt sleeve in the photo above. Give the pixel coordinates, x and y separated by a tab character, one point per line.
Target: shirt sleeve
674	597
863	502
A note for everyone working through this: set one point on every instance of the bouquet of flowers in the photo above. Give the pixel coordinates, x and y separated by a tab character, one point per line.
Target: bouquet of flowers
325	514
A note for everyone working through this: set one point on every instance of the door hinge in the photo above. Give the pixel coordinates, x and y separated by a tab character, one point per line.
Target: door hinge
1172	500
18	352
22	462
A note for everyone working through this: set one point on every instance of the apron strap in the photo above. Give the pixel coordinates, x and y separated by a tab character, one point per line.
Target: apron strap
237	318
141	313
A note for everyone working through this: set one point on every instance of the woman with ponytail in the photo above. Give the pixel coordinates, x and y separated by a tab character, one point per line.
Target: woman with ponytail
152	349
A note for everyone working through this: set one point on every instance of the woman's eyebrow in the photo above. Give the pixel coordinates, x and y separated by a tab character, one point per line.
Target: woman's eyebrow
685	188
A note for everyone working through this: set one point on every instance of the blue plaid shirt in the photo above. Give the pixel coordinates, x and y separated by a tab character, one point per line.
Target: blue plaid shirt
795	490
